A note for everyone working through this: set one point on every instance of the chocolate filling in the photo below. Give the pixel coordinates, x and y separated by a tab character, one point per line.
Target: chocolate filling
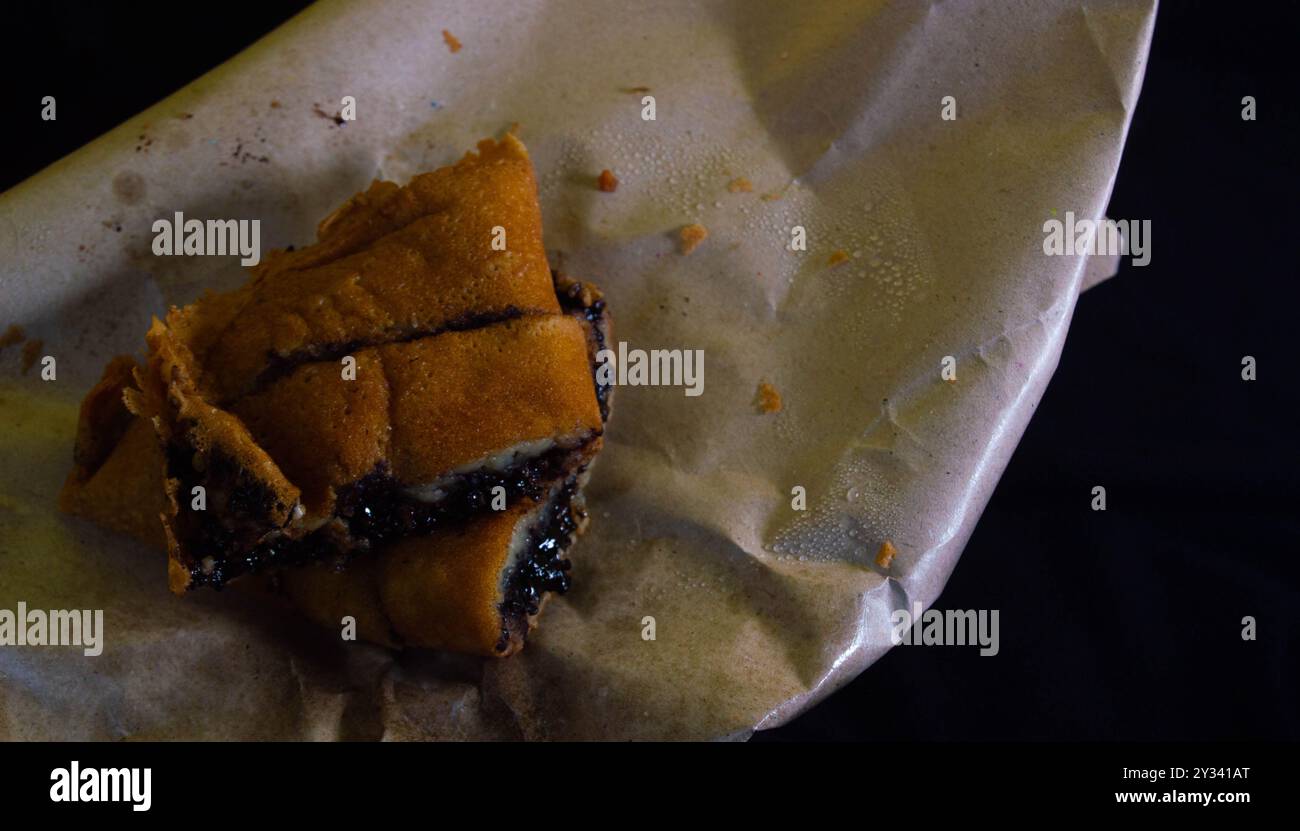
231	536
571	301
373	510
542	567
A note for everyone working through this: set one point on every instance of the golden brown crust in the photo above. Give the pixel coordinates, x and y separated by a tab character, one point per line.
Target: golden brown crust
180	415
103	416
463	395
440	591
116	478
124	493
323	431
463	568
391	263
326	597
463	359
426	408
396	273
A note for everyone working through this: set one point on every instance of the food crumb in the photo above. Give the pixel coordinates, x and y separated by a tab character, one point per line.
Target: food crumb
634	90
885	555
838	256
691	236
767	399
607	182
772	197
741	185
450	40
337	118
31	351
14	334
275	105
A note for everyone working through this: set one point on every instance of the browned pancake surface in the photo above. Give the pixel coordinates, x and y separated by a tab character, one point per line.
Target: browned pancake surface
391	263
442	591
464	362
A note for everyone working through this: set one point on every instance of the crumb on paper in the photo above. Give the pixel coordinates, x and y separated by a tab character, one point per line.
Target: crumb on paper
775	196
691	236
31	351
767	399
607	181
337	118
885	555
837	256
450	39
275	105
740	185
14	334
634	90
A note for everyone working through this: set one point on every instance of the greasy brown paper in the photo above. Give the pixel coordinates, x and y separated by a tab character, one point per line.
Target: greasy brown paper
831	110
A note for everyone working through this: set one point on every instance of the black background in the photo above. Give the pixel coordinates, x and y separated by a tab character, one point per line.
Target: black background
1123	624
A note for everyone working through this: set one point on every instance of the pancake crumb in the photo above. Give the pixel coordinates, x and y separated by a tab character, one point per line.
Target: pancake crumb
838	256
741	185
767	399
31	351
885	555
691	236
607	181
450	40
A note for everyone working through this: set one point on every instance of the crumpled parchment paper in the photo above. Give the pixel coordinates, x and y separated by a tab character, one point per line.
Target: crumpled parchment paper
831	110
